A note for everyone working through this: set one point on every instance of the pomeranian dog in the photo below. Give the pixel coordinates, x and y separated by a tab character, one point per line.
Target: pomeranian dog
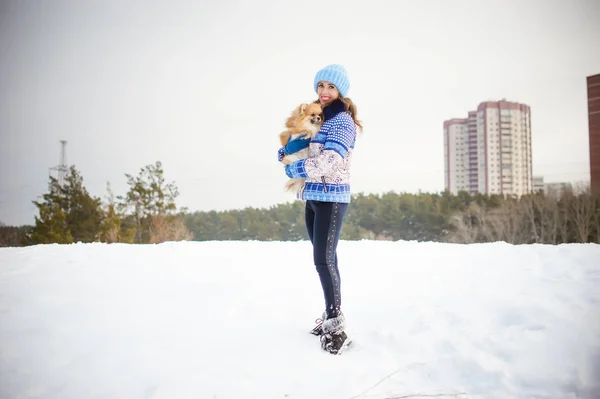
306	120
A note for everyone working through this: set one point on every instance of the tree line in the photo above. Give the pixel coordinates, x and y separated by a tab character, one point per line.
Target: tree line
552	218
67	213
148	213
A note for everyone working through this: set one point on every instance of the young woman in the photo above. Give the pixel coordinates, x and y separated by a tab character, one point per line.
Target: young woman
327	193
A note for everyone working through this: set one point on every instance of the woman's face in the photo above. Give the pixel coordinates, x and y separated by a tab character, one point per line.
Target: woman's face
327	93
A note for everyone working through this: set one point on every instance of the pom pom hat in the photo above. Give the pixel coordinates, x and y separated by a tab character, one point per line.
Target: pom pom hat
335	74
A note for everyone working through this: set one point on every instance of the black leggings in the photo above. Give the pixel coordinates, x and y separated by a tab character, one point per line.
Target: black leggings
324	225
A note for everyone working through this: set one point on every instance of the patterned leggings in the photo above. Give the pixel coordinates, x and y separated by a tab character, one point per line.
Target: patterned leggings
324	225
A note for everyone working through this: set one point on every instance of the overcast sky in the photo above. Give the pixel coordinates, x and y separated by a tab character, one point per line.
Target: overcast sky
205	88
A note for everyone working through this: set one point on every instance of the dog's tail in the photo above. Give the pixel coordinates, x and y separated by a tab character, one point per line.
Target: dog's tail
294	184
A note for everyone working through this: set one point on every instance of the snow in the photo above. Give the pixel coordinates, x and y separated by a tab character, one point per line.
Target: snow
231	320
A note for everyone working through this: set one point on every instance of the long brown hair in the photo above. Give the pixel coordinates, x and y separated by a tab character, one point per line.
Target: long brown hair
351	108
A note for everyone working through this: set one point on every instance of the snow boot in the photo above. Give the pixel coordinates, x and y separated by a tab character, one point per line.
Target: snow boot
333	338
335	343
318	329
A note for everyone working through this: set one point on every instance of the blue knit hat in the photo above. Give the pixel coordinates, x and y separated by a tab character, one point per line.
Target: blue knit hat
335	74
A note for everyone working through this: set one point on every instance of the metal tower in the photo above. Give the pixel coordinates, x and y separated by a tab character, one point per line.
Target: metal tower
62	167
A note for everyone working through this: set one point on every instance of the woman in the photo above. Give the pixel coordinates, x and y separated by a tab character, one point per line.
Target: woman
327	192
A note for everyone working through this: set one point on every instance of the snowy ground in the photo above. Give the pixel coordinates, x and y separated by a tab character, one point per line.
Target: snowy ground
231	320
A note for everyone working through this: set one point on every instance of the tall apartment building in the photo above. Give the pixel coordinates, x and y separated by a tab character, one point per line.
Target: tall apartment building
593	94
489	152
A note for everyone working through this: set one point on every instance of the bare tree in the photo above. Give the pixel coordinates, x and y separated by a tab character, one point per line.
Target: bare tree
543	214
179	231
550	221
158	229
164	228
582	209
468	224
562	200
509	223
534	215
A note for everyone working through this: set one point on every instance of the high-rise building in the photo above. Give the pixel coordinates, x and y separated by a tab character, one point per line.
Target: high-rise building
489	152
538	183
593	94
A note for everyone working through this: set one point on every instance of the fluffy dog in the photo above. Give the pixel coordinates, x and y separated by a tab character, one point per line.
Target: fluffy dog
305	120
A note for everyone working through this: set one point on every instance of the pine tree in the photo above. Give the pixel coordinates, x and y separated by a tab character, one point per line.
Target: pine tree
51	226
151	201
84	213
67	213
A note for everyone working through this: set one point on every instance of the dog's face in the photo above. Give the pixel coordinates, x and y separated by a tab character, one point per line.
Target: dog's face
310	116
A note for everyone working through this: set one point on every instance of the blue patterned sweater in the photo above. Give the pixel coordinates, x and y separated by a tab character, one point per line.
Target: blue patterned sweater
327	169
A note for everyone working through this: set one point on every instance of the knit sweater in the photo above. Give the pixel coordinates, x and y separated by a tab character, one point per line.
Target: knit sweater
327	169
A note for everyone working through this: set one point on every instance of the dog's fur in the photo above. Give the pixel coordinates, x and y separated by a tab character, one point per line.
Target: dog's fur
306	120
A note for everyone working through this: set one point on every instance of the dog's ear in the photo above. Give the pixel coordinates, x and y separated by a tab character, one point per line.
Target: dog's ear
303	108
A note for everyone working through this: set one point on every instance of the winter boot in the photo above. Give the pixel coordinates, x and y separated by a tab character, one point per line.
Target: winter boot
335	343
333	338
318	330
